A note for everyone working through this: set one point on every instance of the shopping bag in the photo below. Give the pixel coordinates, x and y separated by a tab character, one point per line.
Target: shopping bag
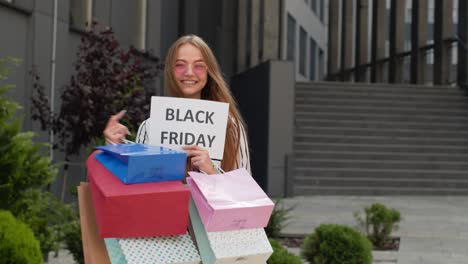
236	246
230	201
94	250
138	163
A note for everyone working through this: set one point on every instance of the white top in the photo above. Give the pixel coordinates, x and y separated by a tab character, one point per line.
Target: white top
243	156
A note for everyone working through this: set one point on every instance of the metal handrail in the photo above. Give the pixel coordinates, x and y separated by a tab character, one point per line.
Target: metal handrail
399	55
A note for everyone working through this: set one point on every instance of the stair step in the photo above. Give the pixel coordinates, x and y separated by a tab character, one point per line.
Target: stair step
461	103
381	96
402	88
380	181
394	88
376	155
383	116
342	190
391	90
380	172
375	123
310	108
402	148
381	164
370	131
418	141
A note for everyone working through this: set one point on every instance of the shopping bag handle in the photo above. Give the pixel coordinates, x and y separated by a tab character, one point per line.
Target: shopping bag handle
216	167
126	141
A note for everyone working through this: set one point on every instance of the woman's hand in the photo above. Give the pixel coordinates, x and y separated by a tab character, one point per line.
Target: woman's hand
114	131
200	158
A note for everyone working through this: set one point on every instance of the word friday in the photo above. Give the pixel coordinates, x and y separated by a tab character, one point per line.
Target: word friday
181	138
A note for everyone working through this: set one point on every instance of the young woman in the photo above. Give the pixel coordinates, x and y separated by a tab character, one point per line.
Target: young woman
191	71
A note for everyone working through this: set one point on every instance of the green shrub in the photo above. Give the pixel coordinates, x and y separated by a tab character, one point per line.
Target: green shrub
281	255
72	238
336	244
45	215
26	172
278	219
379	223
17	242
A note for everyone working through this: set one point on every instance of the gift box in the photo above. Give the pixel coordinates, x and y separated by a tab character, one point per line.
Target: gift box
138	163
236	246
114	251
153	250
94	249
136	210
230	201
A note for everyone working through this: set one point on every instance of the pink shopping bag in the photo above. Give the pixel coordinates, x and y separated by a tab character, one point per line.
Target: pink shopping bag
230	201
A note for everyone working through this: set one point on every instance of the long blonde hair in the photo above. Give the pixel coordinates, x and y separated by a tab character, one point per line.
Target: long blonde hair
215	89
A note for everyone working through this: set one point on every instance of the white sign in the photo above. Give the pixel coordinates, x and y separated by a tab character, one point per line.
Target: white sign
176	122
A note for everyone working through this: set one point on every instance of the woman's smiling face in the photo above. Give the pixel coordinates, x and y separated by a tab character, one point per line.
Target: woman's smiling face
190	71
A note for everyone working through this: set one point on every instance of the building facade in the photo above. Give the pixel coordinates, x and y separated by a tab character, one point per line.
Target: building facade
398	41
45	34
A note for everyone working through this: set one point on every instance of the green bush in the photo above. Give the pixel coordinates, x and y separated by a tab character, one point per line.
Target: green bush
379	223
17	242
278	219
46	216
336	244
72	238
281	255
26	172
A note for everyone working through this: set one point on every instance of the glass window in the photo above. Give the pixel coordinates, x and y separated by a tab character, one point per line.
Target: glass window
291	45
313	59
322	10
313	5
321	64
302	51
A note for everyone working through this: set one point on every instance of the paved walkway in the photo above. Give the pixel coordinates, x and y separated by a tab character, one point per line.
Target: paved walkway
434	230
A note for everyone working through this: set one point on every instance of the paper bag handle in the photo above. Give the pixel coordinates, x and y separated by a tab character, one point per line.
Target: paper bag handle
216	167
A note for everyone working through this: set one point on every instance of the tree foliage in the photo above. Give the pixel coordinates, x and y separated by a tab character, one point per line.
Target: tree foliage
107	79
25	173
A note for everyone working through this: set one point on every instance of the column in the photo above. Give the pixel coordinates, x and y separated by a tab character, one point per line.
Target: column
241	35
362	22
462	69
271	29
397	40
442	31
346	39
418	40
378	40
254	37
333	13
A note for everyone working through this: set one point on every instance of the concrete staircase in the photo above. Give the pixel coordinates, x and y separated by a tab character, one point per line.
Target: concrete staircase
380	139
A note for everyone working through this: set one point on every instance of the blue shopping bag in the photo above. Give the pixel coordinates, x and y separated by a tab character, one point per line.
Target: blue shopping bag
138	163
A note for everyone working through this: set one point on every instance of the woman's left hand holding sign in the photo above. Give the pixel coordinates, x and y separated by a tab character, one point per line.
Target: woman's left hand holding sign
200	158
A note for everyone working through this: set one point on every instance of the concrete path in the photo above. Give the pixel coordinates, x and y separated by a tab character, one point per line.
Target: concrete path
433	230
